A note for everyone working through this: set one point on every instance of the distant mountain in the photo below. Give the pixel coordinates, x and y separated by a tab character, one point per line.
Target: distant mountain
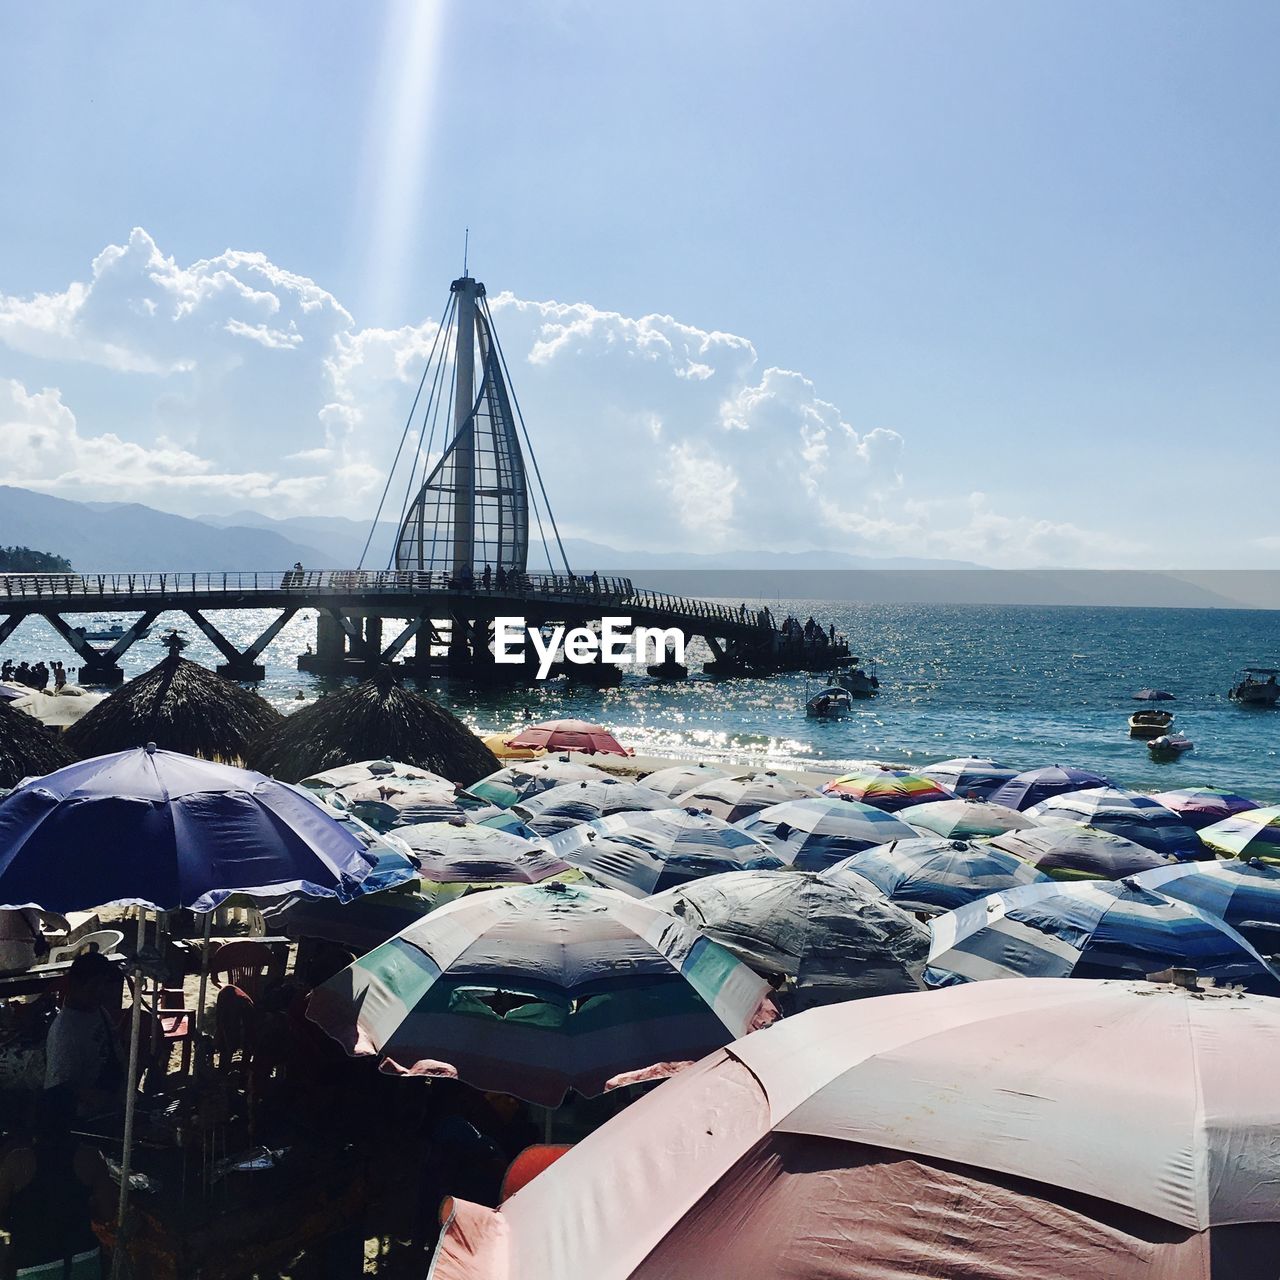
97	537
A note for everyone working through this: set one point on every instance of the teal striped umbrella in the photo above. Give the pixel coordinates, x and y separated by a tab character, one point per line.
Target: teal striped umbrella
517	782
965	819
538	990
1244	894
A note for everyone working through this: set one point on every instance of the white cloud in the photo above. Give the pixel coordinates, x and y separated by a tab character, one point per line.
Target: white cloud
236	381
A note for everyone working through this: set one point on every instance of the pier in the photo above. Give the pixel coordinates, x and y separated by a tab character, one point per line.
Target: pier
450	620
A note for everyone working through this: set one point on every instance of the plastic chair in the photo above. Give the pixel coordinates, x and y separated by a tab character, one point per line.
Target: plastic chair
104	940
242	964
529	1163
236	969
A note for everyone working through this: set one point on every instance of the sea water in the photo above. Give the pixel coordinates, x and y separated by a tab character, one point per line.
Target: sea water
1028	686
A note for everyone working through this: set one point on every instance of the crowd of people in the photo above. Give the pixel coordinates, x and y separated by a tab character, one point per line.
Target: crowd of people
39	675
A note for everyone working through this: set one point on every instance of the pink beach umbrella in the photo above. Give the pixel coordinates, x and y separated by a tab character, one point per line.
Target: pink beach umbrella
570	735
1047	1129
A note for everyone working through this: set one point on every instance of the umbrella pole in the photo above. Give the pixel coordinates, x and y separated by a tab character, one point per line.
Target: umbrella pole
204	975
126	1159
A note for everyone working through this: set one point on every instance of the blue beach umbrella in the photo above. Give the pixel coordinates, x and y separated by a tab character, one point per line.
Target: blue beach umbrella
1124	813
162	830
972	777
1035	785
932	874
1244	894
644	852
1090	929
816	833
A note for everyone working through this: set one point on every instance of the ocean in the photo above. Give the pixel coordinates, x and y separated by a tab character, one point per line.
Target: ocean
1027	686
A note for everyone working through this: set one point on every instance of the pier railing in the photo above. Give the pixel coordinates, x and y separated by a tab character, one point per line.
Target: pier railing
313	586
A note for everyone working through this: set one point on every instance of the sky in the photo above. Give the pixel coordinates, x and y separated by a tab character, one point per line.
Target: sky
987	281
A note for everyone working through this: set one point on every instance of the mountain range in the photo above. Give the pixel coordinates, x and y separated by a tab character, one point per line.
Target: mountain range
102	536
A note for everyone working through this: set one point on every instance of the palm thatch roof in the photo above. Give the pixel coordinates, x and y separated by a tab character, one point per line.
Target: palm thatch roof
27	747
180	706
374	720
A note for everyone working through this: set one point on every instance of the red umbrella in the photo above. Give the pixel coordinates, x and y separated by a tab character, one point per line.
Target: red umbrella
571	735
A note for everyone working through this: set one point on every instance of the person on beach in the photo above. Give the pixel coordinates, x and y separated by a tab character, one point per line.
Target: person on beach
83	1053
53	1187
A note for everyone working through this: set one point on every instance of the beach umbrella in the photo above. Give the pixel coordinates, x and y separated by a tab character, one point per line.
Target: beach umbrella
827	941
180	706
733	799
817	832
11	692
541	989
930	874
1068	851
510	785
572	802
1253	833
387	804
570	735
965	819
973	777
504	820
369	771
889	789
1124	813
646	851
1153	695
1202	806
61	709
679	778
460	840
374	720
1244	894
1038	1129
500	745
1090	929
26	748
1035	785
160	830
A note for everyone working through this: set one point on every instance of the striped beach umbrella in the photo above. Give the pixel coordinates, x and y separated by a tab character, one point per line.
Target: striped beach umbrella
818	832
1244	894
517	782
932	874
370	771
573	802
736	798
1202	806
1254	833
826	942
679	778
888	789
461	840
1090	929
1068	851
966	819
1124	813
386	803
973	777
647	851
538	990
1033	786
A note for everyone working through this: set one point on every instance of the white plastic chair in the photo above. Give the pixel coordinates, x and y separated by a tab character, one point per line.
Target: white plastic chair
104	940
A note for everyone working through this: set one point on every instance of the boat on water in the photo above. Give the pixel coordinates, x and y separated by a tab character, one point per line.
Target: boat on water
1257	687
855	679
1150	724
668	668
831	703
114	632
1169	746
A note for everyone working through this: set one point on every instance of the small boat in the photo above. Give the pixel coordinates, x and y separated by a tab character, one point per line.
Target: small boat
831	703
1169	746
668	668
114	632
1149	724
1256	692
854	679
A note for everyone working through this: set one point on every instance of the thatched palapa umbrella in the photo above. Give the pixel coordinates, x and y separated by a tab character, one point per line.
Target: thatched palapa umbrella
375	720
27	748
180	706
